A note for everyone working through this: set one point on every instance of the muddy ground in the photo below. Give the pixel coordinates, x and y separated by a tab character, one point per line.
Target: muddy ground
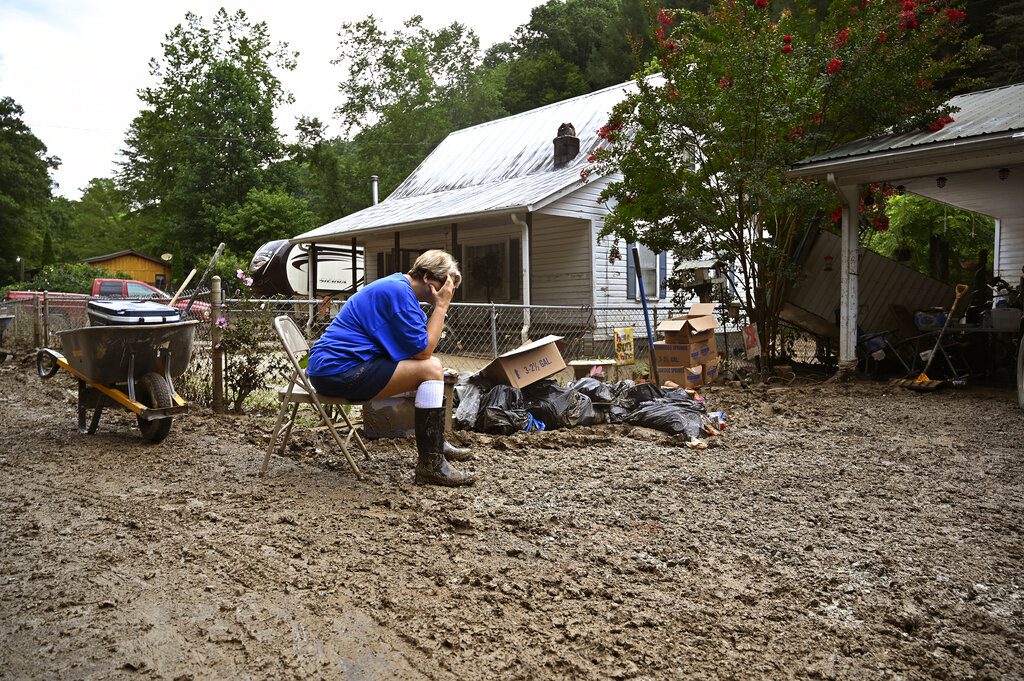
836	531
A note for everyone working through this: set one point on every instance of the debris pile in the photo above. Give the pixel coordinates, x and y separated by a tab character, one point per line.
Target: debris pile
500	409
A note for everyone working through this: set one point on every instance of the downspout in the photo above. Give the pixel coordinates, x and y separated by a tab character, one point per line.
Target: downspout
849	271
524	242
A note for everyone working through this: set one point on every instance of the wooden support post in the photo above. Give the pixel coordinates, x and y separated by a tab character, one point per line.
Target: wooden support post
849	273
217	353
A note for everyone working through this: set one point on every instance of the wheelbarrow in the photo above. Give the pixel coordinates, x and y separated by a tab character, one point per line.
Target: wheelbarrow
129	366
5	323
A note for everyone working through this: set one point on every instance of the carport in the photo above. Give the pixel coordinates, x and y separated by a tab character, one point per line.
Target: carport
975	163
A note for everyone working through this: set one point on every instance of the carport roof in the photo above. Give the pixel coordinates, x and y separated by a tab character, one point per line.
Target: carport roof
992	112
975	163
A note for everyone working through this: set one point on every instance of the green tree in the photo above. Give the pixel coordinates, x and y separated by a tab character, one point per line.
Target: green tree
206	134
267	214
914	219
746	93
25	187
100	222
571	47
403	93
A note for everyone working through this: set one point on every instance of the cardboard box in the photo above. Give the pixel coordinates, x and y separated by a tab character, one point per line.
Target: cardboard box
711	370
527	364
686	377
697	325
688	355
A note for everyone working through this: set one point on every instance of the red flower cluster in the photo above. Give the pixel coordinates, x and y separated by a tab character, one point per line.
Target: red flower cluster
908	20
841	39
880	222
834	65
883	36
816	118
724	83
787	48
787	38
909	5
955	16
606	131
940	123
669	45
665	17
660	34
837	214
761	4
794	133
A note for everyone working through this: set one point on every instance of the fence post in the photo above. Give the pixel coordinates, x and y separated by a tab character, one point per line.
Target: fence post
217	355
494	333
46	319
36	330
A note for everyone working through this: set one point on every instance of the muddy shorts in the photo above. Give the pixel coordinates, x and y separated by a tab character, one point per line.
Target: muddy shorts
360	383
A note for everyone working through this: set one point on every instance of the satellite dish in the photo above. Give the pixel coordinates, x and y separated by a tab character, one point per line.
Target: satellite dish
166	257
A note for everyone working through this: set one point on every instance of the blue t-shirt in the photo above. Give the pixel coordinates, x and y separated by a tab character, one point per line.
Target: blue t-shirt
383	319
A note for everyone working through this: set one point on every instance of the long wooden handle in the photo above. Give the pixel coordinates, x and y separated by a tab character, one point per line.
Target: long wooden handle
183	285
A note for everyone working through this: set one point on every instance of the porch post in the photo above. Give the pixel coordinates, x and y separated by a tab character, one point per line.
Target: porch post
525	245
526	229
849	272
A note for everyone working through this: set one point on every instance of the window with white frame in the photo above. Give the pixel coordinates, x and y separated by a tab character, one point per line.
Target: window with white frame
648	270
653	272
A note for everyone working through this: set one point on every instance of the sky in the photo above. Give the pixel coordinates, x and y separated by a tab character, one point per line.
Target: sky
75	66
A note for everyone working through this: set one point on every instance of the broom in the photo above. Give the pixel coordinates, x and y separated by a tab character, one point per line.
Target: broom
922	382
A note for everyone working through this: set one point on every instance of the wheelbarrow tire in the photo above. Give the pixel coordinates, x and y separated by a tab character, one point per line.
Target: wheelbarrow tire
153	392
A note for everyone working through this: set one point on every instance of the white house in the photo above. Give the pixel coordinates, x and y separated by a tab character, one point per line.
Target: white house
506	198
975	163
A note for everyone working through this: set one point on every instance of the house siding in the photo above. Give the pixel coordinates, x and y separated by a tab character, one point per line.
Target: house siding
135	267
609	278
1009	257
560	262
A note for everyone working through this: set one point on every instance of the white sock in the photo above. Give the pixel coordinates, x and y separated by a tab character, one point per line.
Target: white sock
430	395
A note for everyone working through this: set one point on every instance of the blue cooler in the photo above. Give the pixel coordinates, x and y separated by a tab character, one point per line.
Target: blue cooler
126	312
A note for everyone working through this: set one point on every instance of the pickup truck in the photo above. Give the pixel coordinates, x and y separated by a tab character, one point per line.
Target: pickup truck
113	288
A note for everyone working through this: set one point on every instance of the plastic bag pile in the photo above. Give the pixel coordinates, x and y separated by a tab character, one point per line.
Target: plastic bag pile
546	405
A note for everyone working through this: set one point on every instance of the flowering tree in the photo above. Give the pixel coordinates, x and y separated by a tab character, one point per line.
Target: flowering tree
744	93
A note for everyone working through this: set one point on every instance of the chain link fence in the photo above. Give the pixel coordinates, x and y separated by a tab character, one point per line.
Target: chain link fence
238	334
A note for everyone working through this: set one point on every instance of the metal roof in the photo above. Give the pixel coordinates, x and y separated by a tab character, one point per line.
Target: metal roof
503	165
976	114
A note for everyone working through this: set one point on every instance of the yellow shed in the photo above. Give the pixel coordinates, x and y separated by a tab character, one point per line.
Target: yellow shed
136	265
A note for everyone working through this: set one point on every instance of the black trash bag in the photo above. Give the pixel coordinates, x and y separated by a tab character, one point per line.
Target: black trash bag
597	391
551	403
560	407
633	396
468	396
502	411
668	414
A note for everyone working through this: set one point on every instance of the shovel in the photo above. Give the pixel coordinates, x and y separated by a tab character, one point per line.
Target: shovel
922	382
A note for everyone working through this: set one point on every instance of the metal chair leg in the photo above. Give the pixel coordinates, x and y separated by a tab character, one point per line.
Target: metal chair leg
273	438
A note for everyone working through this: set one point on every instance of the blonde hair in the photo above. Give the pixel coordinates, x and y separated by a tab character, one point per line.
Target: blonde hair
437	265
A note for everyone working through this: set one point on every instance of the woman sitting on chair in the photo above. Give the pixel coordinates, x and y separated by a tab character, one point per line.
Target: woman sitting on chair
381	344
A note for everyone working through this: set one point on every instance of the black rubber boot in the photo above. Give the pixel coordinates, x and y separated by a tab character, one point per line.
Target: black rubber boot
453	453
431	466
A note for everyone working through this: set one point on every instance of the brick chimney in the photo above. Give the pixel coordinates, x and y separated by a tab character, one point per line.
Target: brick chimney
567	145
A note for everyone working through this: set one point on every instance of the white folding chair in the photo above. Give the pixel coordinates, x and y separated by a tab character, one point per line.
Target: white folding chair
301	391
